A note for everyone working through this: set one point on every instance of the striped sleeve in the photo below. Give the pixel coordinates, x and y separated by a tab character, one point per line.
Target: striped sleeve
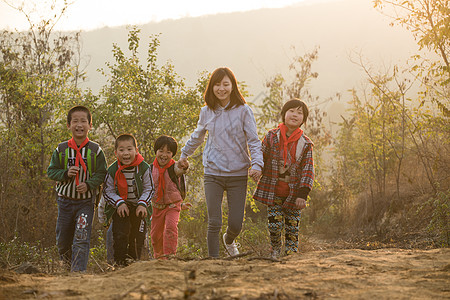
109	192
148	189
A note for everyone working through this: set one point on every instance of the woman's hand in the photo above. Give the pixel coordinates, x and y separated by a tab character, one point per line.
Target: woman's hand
255	175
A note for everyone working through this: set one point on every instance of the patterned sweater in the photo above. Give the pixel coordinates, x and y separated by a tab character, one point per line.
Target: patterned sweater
57	170
143	185
302	170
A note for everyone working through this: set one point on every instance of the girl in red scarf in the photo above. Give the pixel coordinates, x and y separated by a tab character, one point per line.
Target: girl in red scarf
287	176
168	200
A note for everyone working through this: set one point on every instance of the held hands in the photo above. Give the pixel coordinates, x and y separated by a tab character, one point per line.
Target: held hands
183	163
123	210
255	175
141	212
300	203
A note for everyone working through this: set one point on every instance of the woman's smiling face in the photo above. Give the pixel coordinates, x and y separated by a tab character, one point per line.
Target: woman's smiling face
222	90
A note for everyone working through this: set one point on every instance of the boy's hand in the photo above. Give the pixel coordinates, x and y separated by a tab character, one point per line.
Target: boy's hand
255	175
141	212
72	171
300	203
123	210
186	206
82	188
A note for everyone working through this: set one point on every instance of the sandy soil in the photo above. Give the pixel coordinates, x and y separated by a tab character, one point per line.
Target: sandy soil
319	274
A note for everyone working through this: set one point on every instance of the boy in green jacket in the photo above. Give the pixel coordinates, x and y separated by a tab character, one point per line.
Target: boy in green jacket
79	167
128	190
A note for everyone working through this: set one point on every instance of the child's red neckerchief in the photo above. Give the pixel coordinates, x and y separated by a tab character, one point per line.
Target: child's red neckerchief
295	136
161	181
119	178
78	158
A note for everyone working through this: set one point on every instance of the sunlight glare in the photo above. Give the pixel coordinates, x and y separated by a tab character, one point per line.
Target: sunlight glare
89	14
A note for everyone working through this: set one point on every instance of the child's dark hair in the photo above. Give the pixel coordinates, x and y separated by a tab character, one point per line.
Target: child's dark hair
78	108
125	137
236	97
294	103
165	140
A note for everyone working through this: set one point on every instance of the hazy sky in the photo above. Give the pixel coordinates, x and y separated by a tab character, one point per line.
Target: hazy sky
91	14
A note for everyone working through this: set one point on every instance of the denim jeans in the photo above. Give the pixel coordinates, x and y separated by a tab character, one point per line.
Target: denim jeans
236	188
73	231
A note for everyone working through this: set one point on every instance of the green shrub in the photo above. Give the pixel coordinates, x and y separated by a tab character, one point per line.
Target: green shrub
440	216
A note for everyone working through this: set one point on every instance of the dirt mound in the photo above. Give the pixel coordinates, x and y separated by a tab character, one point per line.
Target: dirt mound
322	274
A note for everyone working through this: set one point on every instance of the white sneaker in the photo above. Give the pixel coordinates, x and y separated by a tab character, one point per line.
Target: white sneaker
232	249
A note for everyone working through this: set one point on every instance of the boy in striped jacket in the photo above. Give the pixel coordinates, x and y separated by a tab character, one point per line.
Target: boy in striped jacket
287	176
79	168
128	190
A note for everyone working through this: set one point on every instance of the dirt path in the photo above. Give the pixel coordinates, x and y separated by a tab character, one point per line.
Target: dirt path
323	274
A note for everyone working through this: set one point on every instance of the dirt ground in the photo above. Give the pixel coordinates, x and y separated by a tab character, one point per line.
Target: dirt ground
318	274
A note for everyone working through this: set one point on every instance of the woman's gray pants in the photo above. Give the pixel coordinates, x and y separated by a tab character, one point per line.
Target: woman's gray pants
236	188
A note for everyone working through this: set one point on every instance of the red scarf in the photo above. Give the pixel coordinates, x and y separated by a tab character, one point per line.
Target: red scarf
78	158
295	136
161	181
119	178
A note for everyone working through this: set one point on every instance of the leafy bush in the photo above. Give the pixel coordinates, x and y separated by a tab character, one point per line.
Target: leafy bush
16	252
440	216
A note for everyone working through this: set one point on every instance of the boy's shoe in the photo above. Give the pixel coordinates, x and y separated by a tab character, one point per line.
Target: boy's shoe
232	249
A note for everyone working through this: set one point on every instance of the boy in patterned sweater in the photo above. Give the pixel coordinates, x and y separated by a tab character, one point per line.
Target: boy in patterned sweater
128	190
79	168
287	176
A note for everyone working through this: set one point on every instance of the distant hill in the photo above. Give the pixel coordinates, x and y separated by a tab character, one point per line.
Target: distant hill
257	44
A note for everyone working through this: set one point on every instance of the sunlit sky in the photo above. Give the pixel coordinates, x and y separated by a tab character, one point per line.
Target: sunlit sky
92	14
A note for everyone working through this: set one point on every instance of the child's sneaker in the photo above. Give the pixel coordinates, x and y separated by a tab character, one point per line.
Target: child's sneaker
232	249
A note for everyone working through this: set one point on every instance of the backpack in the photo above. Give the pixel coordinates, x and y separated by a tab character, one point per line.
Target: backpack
92	149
